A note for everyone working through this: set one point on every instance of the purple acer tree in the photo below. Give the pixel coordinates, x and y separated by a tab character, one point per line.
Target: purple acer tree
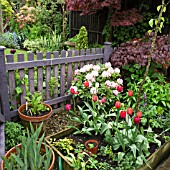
116	15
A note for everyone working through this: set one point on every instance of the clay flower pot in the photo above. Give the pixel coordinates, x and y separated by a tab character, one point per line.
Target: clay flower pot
13	150
94	148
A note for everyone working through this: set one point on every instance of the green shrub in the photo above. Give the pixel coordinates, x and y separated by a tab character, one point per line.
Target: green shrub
13	134
82	39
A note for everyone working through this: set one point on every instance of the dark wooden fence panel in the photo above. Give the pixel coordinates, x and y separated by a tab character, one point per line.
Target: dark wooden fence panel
93	23
36	73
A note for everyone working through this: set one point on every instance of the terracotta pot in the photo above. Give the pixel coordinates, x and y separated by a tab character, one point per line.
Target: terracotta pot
94	149
13	150
35	120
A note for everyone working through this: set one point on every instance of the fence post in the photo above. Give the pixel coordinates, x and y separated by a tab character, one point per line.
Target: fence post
2	140
107	51
4	99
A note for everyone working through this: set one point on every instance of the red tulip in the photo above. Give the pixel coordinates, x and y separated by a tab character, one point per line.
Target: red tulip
68	107
129	111
123	114
139	114
130	93
117	104
137	120
72	91
119	88
86	84
94	97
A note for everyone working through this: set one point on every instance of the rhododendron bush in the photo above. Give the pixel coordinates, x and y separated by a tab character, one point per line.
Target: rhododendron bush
99	83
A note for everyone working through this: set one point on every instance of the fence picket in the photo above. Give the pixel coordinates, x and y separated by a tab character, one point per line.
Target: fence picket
48	76
70	71
22	76
62	74
11	79
56	55
31	74
40	74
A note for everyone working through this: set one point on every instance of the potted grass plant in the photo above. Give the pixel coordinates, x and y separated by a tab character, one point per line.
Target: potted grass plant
32	153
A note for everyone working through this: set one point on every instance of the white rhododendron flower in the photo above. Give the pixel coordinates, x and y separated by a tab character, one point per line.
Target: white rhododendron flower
90	83
110	70
120	81
108	65
108	83
97	85
89	76
82	70
117	70
96	67
113	84
106	74
95	73
93	90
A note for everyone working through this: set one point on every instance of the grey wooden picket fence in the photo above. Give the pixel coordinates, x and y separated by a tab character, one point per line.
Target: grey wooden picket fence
36	73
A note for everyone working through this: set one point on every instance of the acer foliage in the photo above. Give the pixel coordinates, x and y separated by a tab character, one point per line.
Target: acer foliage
118	17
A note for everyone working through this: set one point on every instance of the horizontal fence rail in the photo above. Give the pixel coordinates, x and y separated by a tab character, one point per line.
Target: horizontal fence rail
50	74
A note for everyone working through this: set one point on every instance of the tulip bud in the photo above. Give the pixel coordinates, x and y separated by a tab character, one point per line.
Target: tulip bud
137	120
119	88
123	114
86	84
117	104
129	111
68	107
94	97
130	93
139	114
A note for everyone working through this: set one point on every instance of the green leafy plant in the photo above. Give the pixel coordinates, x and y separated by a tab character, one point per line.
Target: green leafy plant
13	134
64	145
34	105
80	163
52	86
26	158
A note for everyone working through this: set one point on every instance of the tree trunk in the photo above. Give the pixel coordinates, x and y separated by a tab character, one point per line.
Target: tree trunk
1	21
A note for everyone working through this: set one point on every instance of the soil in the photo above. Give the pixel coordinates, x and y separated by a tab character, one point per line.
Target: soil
61	119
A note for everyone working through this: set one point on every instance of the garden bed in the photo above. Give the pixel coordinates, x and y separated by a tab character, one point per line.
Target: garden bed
158	155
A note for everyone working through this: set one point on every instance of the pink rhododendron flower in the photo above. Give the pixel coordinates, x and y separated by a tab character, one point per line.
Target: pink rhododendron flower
89	76
76	72
115	92
110	70
68	107
75	79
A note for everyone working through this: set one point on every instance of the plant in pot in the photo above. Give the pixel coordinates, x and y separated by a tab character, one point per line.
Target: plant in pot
92	146
25	154
34	110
